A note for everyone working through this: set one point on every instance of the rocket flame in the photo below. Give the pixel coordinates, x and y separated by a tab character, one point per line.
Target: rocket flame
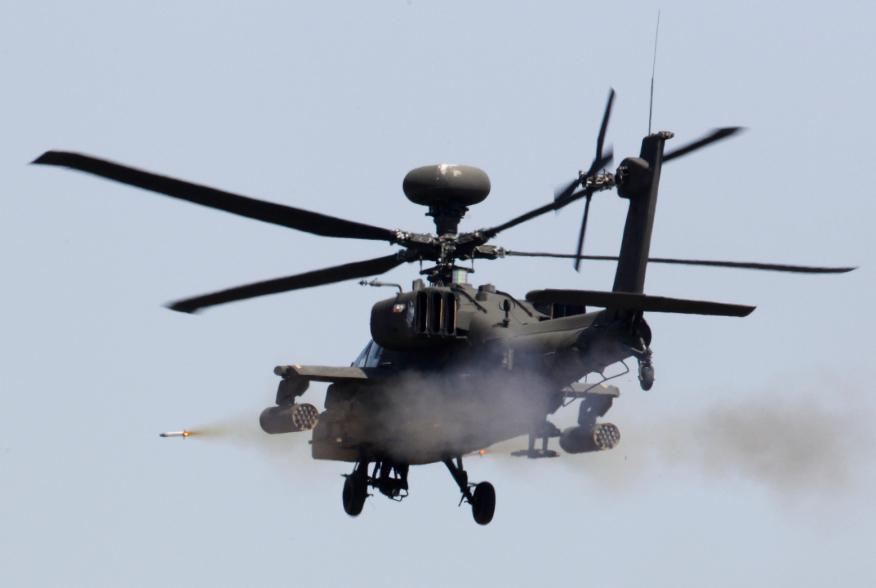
183	434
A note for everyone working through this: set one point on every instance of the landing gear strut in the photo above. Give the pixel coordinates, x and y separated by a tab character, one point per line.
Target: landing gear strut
545	431
389	478
482	499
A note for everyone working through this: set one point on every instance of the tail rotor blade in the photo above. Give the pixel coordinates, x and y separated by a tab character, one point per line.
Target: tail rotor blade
605	160
600	160
581	234
600	141
563	193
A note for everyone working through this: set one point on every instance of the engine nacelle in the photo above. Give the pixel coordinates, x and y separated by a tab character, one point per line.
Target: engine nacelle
422	319
580	439
292	418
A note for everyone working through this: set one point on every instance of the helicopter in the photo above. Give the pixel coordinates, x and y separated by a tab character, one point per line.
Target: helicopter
452	368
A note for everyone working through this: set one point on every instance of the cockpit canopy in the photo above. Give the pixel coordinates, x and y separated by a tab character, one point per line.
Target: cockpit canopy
369	357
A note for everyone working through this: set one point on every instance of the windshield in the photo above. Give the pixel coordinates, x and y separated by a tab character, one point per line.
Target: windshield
369	357
363	356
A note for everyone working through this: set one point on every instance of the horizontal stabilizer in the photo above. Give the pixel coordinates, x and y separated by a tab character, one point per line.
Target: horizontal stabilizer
631	301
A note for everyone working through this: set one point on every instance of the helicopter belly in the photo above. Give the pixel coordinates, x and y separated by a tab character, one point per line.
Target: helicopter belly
418	420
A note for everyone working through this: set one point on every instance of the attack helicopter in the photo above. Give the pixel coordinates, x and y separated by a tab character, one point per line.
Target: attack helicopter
452	368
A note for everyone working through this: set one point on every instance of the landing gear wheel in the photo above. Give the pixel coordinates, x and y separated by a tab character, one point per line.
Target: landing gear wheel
354	495
646	376
482	500
646	364
483	503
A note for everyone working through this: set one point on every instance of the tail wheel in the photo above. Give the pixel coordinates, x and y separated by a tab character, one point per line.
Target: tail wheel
483	503
354	495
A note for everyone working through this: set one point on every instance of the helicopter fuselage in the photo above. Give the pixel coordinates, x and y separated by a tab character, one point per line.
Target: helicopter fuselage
452	370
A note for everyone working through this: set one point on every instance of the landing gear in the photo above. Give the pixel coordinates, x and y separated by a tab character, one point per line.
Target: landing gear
355	490
482	499
646	373
483	503
646	368
389	478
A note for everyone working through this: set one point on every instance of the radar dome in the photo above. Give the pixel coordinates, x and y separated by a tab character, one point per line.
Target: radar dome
446	184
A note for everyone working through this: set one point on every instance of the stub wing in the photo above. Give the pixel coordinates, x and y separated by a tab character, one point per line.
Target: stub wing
324	373
583	389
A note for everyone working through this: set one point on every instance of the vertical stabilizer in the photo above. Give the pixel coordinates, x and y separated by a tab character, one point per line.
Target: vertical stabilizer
638	181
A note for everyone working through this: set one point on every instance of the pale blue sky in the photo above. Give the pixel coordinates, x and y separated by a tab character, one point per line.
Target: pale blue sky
326	105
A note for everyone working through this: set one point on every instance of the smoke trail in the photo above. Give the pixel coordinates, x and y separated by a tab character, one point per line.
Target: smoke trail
809	442
243	432
788	443
242	428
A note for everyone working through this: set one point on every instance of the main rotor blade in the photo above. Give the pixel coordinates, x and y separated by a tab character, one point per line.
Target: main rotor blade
278	214
566	191
708	139
555	205
329	275
561	199
775	267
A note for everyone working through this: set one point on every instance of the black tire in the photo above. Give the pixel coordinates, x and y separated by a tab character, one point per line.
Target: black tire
483	503
646	377
354	495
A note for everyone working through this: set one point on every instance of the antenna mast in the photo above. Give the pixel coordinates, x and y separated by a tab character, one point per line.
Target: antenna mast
653	69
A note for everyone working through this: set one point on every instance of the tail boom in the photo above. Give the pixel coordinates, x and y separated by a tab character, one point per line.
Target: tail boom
638	181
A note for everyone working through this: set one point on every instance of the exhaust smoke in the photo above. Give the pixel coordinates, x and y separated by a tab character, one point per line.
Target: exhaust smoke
788	444
808	442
